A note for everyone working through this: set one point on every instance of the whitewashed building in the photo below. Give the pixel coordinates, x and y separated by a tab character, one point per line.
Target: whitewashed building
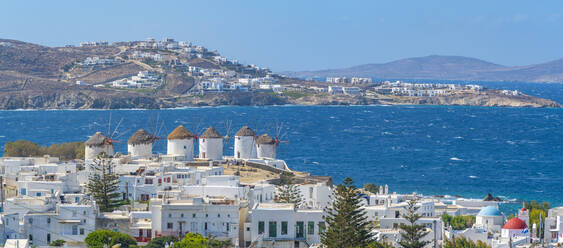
284	225
207	216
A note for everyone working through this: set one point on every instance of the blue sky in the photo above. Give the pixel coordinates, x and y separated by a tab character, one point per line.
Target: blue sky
305	35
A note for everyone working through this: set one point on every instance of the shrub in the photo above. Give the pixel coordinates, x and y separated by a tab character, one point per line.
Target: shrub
58	242
102	238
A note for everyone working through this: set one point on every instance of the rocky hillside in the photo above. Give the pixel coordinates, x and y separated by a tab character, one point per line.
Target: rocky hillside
39	77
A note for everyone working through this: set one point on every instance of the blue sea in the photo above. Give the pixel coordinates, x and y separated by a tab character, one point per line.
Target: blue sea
516	153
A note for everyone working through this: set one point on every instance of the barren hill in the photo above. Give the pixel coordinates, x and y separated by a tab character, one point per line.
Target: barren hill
447	67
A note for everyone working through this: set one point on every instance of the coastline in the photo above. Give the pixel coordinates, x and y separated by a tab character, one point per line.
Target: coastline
275	105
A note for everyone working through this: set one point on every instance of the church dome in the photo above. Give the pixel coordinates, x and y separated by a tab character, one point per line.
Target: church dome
490	211
515	224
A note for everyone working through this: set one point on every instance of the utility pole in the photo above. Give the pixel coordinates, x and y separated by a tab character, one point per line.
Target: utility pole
2	193
127	191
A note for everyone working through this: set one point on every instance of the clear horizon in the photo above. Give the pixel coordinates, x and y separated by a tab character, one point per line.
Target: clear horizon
298	36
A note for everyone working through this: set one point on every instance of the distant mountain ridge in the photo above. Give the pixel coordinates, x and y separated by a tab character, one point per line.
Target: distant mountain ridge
446	68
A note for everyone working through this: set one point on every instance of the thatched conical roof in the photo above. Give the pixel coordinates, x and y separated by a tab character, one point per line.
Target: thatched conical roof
265	139
245	131
98	139
211	133
140	137
180	133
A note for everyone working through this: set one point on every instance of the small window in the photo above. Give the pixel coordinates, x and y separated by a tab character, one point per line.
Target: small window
311	227
182	215
30	221
193	215
169	215
169	225
81	231
48	220
260	227
272	229
284	228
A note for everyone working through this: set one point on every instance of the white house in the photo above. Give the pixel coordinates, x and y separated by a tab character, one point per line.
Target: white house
284	225
335	90
69	222
207	216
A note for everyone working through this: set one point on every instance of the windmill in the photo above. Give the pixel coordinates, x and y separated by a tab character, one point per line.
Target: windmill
156	127
267	145
102	141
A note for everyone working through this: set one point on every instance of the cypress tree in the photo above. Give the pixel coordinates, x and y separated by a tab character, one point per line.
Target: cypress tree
288	191
412	233
346	219
103	183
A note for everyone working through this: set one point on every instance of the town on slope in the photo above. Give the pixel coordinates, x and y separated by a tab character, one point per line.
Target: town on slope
228	197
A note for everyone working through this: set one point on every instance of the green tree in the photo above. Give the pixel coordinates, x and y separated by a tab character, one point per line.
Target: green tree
459	222
106	238
67	151
103	183
195	240
412	233
371	187
346	219
160	242
462	242
288	191
64	151
23	148
537	211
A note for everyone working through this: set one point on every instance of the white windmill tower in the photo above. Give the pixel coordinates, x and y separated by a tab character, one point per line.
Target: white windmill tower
140	144
266	145
245	143
211	145
97	144
100	142
181	143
